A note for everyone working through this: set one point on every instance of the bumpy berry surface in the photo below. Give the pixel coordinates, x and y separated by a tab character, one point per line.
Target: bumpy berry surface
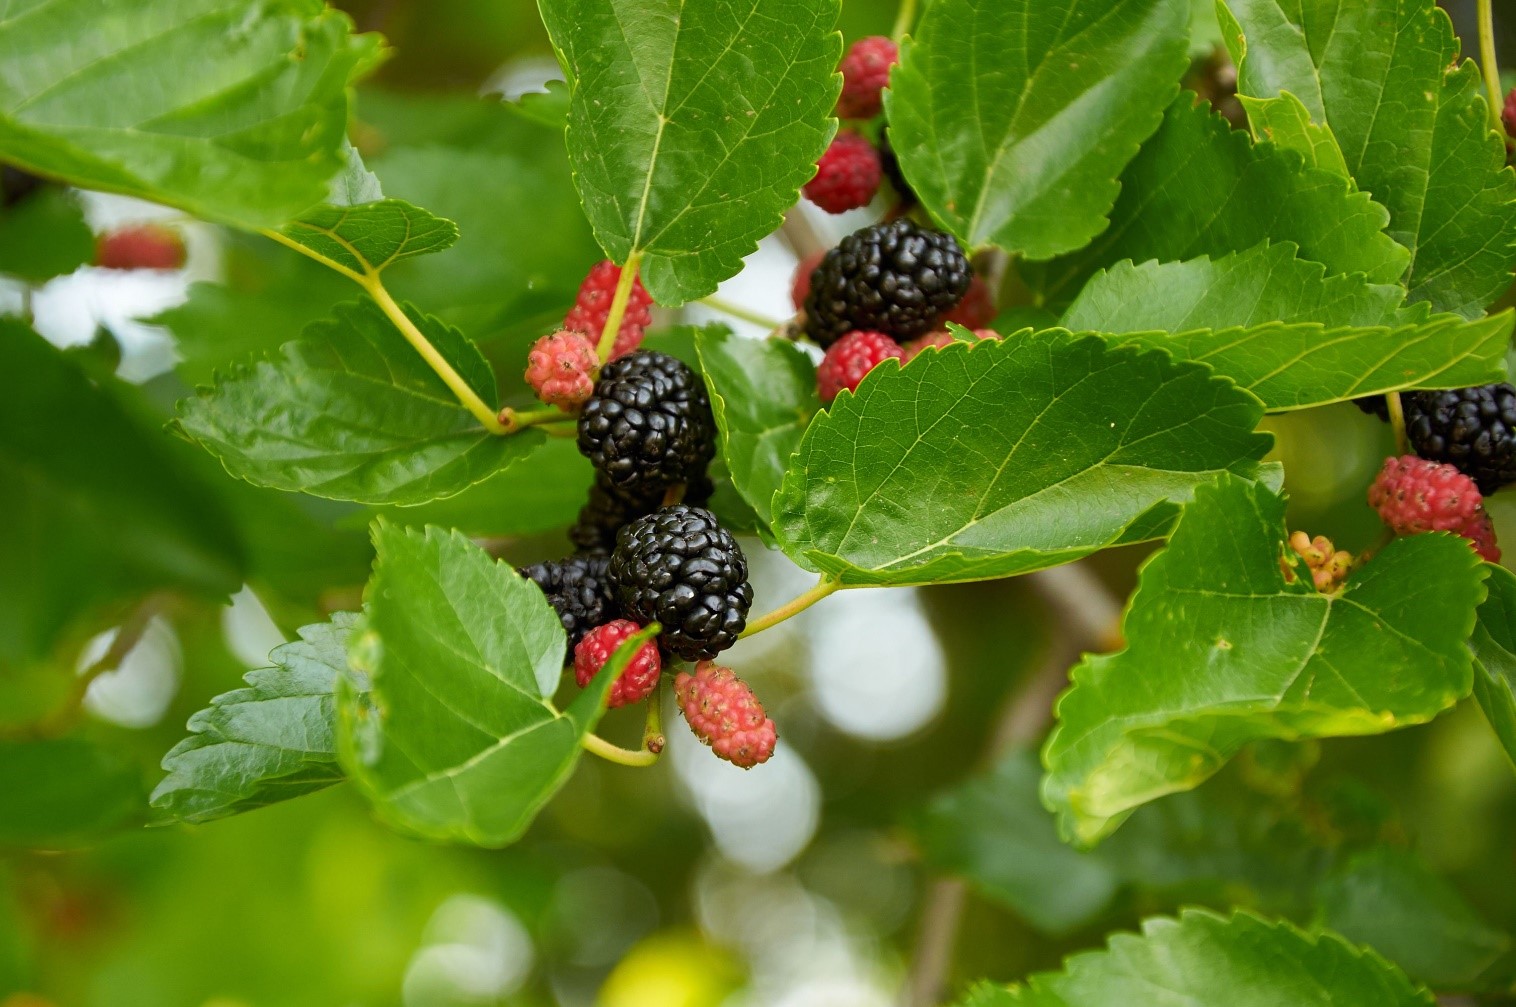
1481	535
677	566
937	340
850	358
639	677
865	73
723	712
607	510
1413	495
1471	428
800	286
140	246
976	310
894	278
1329	565
578	590
593	307
561	367
648	425
847	176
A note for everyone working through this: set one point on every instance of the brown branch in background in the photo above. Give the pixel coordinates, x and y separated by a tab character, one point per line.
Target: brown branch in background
1090	614
127	637
801	235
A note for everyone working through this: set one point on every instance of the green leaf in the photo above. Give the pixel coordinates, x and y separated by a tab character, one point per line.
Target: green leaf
993	831
232	111
93	507
367	238
1494	647
1374	79
44	236
1299	366
546	108
351	412
1225	645
1286	122
692	127
64	792
1265	283
509	200
1391	901
459	739
1198	187
1219	311
1013	118
763	393
1001	457
1212	961
541	492
269	742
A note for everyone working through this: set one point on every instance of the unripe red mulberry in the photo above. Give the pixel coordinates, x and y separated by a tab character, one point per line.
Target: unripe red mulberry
1413	495
561	369
850	358
140	246
865	74
637	680
847	176
593	307
723	712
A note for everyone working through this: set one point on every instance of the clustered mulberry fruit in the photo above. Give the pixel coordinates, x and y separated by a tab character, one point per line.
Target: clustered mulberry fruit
637	679
140	246
678	567
1329	565
561	367
865	74
895	278
592	308
577	589
1473	429
1414	496
648	425
850	358
724	713
847	176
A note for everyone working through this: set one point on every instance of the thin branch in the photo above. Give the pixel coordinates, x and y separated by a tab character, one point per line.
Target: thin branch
801	235
1081	602
1489	64
738	311
793	607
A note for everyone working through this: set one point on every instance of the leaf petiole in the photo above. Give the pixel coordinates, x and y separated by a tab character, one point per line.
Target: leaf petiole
738	311
1397	423
374	286
596	745
1489	64
618	306
904	20
512	420
793	607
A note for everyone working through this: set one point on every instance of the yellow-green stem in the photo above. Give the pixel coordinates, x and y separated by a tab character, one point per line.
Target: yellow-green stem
1488	64
904	19
374	287
738	311
1397	423
513	420
434	359
652	729
618	306
794	607
596	745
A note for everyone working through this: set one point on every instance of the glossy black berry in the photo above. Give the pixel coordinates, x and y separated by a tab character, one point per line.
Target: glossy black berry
605	512
648	426
896	278
578	590
680	568
1473	429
